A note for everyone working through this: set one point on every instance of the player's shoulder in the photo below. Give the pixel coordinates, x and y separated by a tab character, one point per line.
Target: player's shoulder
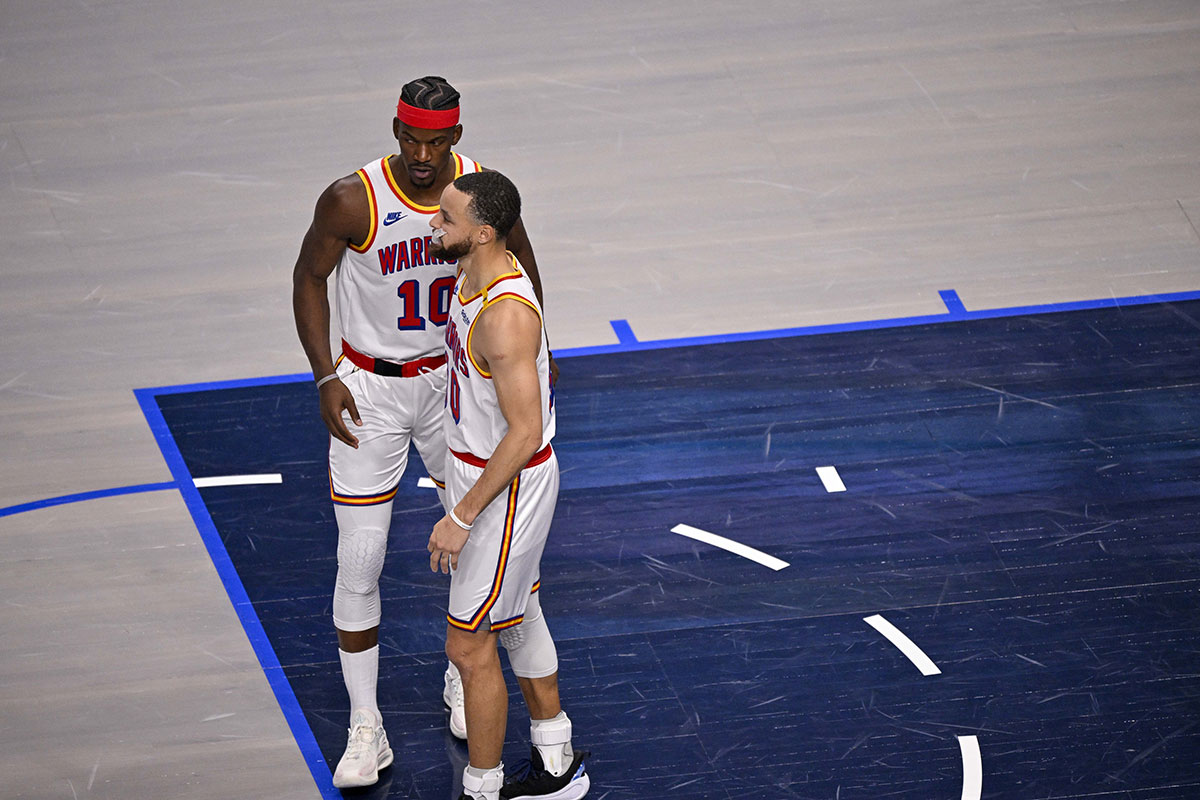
509	313
466	164
346	195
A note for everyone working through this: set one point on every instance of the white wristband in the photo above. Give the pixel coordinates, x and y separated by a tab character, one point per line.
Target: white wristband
326	379
454	518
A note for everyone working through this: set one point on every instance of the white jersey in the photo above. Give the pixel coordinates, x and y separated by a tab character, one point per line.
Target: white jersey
472	419
393	298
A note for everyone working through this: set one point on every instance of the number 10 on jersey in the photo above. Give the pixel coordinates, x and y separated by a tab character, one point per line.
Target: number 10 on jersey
409	293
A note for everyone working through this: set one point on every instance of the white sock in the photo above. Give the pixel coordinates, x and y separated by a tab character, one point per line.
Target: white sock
552	738
360	671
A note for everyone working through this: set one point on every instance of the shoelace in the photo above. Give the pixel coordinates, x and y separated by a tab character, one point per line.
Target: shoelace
362	734
520	772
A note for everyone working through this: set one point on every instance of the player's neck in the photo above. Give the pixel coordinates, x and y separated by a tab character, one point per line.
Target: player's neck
484	265
427	195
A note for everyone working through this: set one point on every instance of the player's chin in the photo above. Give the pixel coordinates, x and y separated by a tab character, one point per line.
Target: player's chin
422	179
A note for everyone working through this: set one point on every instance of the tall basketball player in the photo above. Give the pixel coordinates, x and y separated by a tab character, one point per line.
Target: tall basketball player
502	486
393	298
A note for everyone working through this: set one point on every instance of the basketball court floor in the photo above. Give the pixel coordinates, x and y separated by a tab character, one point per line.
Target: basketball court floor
879	336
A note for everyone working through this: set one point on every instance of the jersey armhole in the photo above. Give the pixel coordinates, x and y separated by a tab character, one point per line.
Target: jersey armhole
488	304
374	224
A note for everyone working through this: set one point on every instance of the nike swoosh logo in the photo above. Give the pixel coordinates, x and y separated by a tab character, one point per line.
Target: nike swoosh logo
395	216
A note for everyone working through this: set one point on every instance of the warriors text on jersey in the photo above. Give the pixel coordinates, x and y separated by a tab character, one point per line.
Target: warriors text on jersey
393	298
473	422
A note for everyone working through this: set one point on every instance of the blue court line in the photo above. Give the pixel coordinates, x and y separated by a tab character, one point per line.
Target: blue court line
237	594
953	304
80	496
956	312
623	331
236	383
627	341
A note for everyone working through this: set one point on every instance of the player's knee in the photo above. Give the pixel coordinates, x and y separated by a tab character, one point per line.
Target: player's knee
530	647
470	652
360	559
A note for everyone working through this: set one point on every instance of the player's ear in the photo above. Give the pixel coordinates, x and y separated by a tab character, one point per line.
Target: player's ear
457	135
486	234
396	128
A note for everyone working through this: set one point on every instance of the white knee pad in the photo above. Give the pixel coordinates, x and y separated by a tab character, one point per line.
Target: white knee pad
361	550
530	647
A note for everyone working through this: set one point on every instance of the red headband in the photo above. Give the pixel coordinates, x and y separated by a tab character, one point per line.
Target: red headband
426	118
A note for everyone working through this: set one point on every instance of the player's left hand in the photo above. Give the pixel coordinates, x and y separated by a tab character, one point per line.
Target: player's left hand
445	543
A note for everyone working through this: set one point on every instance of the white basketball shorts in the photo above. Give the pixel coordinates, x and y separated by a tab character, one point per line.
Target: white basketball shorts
394	411
500	565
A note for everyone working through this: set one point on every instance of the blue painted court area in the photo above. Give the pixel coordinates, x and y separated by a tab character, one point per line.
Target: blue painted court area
1022	501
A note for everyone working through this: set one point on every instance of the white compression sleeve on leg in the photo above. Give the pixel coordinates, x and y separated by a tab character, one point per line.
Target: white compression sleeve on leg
530	647
362	545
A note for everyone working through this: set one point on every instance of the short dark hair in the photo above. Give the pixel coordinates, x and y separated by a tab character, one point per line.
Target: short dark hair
495	200
431	92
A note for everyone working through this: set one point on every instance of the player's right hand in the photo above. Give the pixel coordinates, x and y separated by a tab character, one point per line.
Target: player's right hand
336	397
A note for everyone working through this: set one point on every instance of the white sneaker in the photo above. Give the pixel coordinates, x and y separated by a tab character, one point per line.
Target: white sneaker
452	696
367	752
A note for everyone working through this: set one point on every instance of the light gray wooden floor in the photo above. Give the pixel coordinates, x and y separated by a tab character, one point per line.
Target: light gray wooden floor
692	167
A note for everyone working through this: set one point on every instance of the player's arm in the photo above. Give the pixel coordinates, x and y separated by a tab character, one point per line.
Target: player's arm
518	244
342	215
517	241
507	337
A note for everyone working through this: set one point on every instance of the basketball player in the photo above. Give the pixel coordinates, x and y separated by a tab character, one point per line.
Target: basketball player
502	487
393	299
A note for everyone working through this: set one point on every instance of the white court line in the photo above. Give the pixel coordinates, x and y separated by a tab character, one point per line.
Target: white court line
829	476
237	480
904	644
426	483
972	767
737	548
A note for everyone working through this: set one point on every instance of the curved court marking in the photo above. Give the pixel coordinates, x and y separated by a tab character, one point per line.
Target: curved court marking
237	480
903	644
972	767
78	497
737	548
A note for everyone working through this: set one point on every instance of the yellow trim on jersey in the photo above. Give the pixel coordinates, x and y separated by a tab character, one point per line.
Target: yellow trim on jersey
486	305
516	273
366	245
470	355
403	198
513	296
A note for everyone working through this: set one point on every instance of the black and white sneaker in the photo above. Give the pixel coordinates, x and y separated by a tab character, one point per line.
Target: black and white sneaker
531	780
